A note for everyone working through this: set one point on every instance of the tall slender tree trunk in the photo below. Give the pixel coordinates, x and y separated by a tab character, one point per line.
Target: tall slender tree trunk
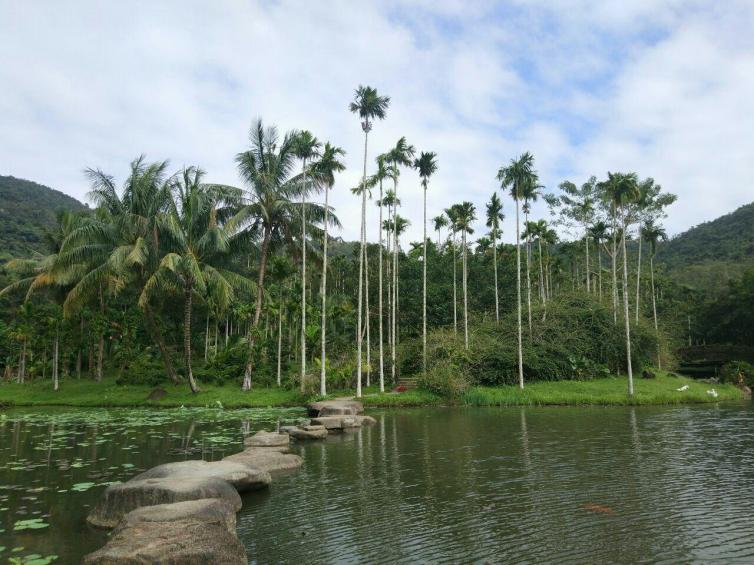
101	347
280	341
323	357
654	305
22	363
79	353
206	337
366	311
187	337
252	333
361	267
379	284
55	360
494	261
395	282
518	300
424	289
599	274
588	274
625	306
528	274
303	283
465	292
638	277
455	277
157	336
615	273
541	272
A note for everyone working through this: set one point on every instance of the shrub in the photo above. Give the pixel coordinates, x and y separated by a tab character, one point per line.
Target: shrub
143	370
738	373
445	380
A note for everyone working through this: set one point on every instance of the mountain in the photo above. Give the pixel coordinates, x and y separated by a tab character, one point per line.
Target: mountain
26	210
708	255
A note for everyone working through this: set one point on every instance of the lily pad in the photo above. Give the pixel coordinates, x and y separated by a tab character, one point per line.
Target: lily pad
31	524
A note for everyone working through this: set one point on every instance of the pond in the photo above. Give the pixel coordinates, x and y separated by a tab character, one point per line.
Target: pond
477	485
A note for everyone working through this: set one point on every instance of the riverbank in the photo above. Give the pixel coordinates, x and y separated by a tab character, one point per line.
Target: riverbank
611	391
600	392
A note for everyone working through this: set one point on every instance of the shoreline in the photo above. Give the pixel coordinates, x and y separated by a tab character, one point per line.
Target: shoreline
599	392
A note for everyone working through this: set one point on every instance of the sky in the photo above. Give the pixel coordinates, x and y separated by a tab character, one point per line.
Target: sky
661	87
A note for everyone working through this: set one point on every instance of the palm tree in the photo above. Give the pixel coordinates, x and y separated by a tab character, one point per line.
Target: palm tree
452	215
652	233
426	164
306	148
598	233
325	170
579	207
531	192
494	220
269	213
368	105
197	242
517	176
466	215
440	222
121	241
623	189
383	172
399	156
400	225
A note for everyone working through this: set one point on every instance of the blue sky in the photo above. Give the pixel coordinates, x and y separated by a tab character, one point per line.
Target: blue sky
662	87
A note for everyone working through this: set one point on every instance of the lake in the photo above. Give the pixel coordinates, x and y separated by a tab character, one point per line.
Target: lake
439	485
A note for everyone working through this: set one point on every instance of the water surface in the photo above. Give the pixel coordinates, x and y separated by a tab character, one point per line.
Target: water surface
477	485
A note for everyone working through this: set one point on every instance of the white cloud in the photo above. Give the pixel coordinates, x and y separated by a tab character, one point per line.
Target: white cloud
664	88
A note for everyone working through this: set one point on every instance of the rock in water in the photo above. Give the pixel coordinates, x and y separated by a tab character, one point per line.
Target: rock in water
118	500
157	394
267	459
343	422
206	510
309	432
243	477
182	542
267	439
335	408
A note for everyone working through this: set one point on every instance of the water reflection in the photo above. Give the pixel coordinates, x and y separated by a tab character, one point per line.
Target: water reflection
560	485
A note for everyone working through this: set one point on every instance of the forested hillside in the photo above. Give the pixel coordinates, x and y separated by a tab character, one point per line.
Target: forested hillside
26	210
710	254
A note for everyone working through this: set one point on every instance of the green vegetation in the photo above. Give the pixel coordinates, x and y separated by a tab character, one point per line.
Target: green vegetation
27	212
599	392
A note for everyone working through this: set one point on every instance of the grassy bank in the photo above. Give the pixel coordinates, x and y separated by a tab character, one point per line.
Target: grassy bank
607	392
601	392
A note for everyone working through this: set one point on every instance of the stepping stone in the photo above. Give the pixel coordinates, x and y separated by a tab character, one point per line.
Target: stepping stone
267	460
267	439
243	477
118	500
206	510
335	408
181	542
343	422
319	432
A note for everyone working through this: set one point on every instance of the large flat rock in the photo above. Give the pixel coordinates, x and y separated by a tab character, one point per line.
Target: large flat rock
205	510
308	432
243	477
181	542
343	422
266	459
118	500
267	439
335	408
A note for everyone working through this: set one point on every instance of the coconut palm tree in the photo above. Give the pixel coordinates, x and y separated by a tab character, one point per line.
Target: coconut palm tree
440	222
197	243
452	215
269	213
517	177
401	155
623	189
306	147
653	233
121	242
369	106
426	164
495	218
466	215
325	169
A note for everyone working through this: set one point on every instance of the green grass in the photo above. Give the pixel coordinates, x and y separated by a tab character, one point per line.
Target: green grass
89	393
605	392
602	392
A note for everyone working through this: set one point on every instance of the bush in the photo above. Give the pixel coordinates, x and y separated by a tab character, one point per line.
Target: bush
577	339
738	373
143	370
445	380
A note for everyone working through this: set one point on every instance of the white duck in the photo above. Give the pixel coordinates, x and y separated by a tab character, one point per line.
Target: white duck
712	392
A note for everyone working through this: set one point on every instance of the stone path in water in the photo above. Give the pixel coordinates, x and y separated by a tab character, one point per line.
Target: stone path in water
184	513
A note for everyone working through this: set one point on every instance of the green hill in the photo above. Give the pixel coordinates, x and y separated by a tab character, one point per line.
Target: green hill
26	210
708	255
